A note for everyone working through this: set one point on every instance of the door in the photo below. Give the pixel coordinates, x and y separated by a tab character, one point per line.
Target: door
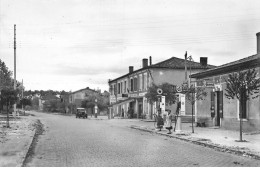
140	110
219	107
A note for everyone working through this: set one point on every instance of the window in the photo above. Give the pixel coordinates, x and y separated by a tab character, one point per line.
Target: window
121	87
118	88
125	87
140	82
115	92
131	85
145	81
135	84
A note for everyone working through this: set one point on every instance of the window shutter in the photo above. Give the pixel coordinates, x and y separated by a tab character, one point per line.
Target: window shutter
135	84
212	107
221	104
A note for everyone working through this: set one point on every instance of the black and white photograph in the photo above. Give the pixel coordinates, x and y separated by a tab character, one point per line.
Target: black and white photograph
129	83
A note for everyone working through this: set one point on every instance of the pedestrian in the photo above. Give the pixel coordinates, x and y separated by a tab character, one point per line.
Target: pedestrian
160	122
169	121
123	112
128	113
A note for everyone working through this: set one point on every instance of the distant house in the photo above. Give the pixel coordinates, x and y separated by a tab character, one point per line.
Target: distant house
76	98
45	101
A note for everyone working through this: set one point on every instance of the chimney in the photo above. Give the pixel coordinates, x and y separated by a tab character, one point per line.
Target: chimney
145	62
204	61
131	69
258	42
150	60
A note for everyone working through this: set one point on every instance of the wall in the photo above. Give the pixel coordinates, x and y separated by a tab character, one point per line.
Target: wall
230	118
175	77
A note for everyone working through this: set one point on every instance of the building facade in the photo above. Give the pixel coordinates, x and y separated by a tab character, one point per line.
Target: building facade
216	109
76	98
128	91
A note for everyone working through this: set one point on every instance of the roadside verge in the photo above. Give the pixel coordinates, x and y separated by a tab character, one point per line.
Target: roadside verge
200	141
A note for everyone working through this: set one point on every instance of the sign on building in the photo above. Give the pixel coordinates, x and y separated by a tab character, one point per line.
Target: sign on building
182	100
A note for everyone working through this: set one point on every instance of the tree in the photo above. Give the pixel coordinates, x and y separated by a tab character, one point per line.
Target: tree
24	102
168	92
5	76
8	97
192	95
35	103
90	101
5	79
242	85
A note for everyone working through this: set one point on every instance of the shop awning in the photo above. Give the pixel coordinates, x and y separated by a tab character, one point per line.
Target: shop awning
123	102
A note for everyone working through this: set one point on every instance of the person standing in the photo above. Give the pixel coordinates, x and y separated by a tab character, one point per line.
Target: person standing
169	121
123	112
160	122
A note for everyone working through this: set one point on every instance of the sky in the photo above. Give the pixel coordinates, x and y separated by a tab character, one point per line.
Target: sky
73	44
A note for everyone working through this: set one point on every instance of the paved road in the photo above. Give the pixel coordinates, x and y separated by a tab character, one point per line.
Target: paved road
72	142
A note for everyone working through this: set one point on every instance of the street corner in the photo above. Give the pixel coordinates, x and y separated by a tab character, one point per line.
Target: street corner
16	140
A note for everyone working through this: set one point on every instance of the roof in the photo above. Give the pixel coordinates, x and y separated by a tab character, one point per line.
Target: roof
178	63
49	97
244	63
171	63
83	90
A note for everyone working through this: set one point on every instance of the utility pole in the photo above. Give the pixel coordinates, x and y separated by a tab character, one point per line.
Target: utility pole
22	98
186	66
15	65
190	58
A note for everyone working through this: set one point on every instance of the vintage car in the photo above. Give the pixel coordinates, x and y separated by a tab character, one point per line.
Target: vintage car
81	112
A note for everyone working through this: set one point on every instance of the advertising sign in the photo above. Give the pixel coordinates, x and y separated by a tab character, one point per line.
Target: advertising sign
182	99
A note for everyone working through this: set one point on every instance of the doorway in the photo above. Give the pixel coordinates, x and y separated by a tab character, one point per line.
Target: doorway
140	110
219	107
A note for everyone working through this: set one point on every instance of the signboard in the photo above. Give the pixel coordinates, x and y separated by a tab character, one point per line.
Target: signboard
218	87
217	80
205	83
182	100
112	99
133	95
159	91
178	89
209	84
142	94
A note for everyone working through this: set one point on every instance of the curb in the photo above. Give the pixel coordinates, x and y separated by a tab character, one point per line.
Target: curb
30	151
28	147
214	146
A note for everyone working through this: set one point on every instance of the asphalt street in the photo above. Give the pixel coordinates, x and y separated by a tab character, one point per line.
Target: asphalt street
71	142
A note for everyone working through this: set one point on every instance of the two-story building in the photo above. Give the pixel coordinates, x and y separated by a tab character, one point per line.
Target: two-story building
76	97
128	91
218	110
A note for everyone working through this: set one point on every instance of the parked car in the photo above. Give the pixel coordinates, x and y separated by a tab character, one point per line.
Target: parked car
81	112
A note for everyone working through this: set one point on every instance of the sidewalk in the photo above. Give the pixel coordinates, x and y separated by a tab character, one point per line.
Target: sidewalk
213	137
16	140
